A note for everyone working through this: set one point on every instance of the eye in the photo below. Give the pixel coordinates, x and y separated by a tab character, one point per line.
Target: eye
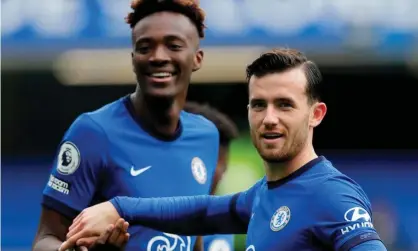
174	47
285	105
257	105
143	49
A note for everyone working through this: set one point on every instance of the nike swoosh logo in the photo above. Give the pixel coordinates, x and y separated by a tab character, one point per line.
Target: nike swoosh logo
139	171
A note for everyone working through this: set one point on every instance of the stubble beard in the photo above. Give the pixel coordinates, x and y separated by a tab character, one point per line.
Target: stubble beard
286	152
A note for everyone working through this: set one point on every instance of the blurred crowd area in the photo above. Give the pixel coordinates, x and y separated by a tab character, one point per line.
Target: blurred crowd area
61	58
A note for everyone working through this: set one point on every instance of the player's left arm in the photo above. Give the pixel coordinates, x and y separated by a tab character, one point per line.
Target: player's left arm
342	215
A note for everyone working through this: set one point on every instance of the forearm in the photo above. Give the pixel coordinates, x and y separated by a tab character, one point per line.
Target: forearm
192	215
47	243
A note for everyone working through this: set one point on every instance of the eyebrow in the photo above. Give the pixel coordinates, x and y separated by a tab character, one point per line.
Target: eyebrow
256	100
169	37
289	100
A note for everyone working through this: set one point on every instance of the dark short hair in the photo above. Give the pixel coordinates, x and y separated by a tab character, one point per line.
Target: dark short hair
282	59
188	8
226	127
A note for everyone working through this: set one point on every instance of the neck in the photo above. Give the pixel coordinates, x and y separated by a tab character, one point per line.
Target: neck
160	115
277	171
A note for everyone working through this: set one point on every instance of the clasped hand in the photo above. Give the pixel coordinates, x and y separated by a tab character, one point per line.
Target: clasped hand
99	224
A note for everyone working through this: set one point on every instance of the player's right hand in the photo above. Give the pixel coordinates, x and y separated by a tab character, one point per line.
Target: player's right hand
115	235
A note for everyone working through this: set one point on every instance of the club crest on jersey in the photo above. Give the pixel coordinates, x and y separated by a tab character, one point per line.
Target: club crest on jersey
280	219
199	170
68	158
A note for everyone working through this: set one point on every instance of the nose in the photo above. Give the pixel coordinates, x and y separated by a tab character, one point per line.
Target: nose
159	57
271	117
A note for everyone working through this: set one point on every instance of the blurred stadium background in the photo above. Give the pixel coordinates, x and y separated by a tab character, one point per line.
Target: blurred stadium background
64	57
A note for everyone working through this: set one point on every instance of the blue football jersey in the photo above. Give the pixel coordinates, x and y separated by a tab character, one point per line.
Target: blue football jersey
220	242
106	153
315	208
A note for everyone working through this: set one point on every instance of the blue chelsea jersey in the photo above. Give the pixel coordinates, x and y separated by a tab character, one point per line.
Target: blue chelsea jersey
106	153
315	208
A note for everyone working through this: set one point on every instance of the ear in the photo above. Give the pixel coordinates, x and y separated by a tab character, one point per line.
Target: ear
197	64
317	114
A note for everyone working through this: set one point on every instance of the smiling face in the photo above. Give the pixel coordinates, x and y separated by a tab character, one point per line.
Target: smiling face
165	53
280	115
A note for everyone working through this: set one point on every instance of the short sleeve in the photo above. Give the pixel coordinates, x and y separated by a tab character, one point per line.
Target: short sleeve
218	242
75	172
343	215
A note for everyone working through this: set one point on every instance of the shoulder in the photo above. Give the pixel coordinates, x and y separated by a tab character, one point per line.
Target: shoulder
191	120
325	179
338	194
92	127
340	185
85	140
197	126
262	181
84	126
96	121
250	194
107	114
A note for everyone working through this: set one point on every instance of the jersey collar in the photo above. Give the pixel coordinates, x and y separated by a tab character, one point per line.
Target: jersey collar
294	175
129	106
